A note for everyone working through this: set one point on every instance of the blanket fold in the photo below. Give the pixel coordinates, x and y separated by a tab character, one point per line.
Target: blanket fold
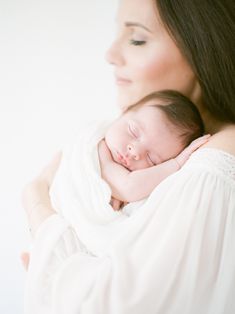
82	197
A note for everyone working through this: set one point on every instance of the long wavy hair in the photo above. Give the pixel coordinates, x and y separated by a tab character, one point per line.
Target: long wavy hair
204	31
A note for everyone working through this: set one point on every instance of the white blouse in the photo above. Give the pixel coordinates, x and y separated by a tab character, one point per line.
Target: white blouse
175	255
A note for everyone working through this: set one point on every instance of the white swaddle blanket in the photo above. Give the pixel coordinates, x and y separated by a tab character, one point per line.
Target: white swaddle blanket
82	197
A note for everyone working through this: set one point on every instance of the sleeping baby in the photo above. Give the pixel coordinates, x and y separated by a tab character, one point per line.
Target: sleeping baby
110	165
149	142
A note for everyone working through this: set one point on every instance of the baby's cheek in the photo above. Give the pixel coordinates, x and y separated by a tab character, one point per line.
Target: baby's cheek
140	164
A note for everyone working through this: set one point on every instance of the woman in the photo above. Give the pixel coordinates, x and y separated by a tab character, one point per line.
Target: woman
176	256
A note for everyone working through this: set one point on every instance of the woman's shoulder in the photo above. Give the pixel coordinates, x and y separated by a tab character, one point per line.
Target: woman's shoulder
215	161
218	154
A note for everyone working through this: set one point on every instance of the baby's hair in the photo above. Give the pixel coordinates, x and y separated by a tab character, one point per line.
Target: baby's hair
179	110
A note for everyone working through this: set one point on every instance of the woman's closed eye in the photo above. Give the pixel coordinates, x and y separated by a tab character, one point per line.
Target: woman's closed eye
137	42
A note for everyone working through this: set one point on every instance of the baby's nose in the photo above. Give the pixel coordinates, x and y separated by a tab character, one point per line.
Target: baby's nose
133	152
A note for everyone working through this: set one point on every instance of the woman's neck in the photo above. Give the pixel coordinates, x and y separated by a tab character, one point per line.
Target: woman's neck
222	133
212	125
223	136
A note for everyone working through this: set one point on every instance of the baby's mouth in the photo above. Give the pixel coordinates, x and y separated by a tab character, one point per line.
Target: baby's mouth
122	160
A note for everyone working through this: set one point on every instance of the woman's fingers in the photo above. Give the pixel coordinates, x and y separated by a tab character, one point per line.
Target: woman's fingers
25	260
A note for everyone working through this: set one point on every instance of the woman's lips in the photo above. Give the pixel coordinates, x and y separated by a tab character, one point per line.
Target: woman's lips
122	80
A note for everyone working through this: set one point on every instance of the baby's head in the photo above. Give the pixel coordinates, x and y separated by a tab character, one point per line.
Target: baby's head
155	129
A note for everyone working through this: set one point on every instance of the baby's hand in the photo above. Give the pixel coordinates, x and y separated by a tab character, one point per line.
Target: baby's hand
116	204
185	154
104	153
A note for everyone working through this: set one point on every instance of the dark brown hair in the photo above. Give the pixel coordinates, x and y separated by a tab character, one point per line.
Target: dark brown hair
183	115
204	31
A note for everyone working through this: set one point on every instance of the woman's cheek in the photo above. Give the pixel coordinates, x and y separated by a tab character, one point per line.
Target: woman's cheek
153	69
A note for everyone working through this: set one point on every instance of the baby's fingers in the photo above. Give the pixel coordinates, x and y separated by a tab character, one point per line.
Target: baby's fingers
185	154
116	204
199	142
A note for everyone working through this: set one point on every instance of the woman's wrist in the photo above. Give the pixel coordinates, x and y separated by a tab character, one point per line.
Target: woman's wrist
36	198
38	215
37	203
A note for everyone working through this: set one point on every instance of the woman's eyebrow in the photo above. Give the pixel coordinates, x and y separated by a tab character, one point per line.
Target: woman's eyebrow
135	24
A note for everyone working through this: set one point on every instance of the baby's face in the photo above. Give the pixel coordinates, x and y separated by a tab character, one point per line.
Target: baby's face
142	138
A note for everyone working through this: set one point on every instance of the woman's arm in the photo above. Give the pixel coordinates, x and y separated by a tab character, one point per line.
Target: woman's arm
132	186
36	200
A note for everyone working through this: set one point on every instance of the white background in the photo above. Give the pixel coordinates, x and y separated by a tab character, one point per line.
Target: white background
53	79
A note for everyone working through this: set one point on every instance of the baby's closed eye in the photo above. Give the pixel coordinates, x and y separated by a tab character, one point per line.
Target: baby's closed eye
150	160
134	130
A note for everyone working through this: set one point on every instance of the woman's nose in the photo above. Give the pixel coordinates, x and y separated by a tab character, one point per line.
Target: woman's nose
133	152
114	54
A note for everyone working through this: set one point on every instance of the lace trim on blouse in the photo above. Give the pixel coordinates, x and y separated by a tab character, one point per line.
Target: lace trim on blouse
217	160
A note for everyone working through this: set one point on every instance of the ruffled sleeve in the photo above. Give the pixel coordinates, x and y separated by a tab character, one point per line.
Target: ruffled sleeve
176	254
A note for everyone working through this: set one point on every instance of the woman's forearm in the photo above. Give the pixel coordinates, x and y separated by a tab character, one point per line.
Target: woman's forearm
37	203
36	199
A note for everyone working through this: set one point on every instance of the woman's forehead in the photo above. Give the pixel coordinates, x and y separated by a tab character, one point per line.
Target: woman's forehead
137	11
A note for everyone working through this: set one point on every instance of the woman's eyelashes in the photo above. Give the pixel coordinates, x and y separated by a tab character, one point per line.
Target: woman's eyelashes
137	42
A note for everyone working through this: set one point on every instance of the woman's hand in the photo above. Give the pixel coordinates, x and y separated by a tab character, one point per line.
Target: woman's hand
37	191
25	259
185	154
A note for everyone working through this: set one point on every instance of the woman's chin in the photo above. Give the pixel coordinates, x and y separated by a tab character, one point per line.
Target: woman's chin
122	103
128	97
125	100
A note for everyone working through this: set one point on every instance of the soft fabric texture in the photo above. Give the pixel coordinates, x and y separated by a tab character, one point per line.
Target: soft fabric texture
82	197
174	253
